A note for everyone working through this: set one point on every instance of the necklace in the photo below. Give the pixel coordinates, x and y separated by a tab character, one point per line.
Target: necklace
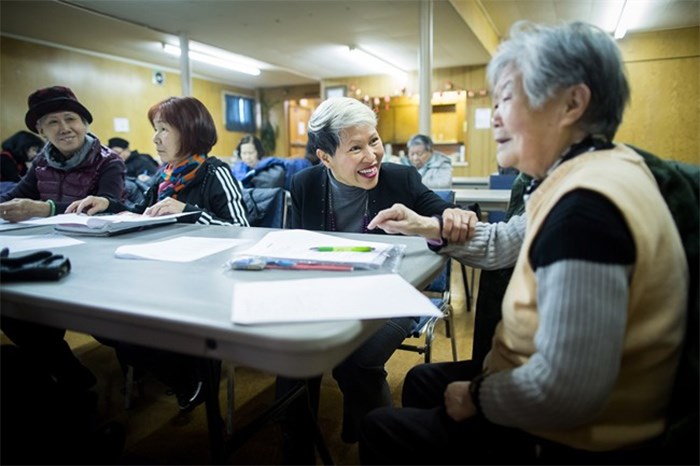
333	218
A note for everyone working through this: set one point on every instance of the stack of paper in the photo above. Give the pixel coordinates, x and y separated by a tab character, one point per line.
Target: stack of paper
309	247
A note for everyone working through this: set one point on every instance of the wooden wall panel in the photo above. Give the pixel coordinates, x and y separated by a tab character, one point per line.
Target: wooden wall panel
108	88
663	69
385	123
275	99
405	123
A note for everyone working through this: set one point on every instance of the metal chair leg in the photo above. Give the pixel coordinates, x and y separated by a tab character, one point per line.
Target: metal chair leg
453	334
467	292
128	386
230	396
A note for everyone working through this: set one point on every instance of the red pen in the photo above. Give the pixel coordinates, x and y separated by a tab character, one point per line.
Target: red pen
298	266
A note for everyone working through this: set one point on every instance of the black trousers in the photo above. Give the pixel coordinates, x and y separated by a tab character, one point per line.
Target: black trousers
422	433
49	352
178	371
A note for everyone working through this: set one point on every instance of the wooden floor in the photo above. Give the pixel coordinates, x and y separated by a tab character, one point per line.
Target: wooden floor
158	434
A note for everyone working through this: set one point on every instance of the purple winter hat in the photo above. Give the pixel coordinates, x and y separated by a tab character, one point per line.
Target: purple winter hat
53	99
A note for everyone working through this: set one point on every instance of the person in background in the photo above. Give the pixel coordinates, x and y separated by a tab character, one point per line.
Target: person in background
190	181
138	165
72	165
397	158
253	169
434	167
342	193
583	363
17	151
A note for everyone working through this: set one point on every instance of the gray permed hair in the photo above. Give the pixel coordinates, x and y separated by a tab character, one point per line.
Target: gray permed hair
420	139
551	58
332	117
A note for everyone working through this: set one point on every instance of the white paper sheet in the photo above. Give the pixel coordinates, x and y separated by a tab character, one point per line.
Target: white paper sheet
482	118
181	249
28	243
7	226
56	219
297	245
324	299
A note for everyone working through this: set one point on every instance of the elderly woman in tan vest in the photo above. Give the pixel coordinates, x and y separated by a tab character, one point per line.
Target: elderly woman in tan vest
583	362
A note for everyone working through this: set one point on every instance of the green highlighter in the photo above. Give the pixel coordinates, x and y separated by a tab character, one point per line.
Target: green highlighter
343	249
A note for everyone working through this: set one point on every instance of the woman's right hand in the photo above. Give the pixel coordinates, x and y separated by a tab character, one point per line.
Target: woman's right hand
400	219
457	224
91	205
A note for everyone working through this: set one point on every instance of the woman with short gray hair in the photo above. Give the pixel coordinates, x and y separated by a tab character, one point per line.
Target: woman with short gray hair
583	362
343	193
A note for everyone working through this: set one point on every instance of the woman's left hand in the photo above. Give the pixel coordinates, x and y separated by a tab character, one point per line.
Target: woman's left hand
165	207
458	401
458	225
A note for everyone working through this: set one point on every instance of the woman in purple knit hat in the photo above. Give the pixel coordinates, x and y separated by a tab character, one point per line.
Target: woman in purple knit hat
73	165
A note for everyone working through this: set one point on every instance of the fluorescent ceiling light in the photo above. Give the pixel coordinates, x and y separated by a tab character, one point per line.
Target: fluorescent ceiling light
630	16
221	61
377	62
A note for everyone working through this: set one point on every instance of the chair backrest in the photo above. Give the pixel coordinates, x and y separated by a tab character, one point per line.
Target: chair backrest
501	181
291	166
266	207
446	194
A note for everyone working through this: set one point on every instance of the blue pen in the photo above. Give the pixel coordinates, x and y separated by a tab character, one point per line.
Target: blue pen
287	264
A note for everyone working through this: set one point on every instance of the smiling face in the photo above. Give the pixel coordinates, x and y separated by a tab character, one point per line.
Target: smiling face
528	139
65	130
357	159
166	139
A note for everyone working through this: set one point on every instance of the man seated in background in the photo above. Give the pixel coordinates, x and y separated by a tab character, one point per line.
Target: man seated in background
137	164
435	168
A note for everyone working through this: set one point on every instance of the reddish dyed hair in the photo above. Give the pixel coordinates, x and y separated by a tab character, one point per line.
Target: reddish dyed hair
192	119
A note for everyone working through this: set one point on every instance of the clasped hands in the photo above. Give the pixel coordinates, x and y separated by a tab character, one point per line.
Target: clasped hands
457	224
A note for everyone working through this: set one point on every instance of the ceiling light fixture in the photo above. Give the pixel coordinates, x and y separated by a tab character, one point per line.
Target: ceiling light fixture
377	61
221	61
630	16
